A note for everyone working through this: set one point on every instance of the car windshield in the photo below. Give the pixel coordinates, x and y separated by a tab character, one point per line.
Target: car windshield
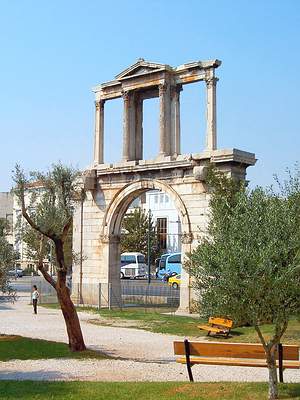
127	259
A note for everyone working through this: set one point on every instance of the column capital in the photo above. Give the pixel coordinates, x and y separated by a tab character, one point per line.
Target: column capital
99	104
210	82
126	95
110	238
187	238
175	90
162	88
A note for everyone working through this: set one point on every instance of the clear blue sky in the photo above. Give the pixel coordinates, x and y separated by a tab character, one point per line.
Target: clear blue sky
53	52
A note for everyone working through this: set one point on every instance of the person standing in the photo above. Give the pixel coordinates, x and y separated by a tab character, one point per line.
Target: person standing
35	295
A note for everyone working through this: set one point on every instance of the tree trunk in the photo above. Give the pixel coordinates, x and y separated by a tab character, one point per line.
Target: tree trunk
273	387
76	342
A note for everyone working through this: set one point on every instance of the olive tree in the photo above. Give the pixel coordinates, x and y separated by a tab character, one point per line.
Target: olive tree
47	203
247	266
7	259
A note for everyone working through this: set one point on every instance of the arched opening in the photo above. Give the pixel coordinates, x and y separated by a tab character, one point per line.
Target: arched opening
112	226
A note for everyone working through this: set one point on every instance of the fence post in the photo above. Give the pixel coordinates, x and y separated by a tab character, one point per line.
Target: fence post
30	291
99	296
78	299
109	296
41	294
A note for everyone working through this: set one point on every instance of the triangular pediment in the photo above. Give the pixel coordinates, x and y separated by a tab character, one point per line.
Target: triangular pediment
141	67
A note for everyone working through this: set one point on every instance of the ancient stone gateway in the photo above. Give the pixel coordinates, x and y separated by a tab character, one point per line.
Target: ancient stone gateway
110	188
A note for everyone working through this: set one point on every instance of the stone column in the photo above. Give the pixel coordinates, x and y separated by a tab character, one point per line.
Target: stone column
211	114
175	119
126	127
99	132
164	119
138	128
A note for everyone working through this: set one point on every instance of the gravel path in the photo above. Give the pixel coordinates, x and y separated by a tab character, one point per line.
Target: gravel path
144	356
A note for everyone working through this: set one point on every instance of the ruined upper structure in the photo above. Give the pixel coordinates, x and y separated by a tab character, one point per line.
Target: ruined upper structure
145	80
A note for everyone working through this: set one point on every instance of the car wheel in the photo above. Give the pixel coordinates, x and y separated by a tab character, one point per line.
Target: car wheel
121	275
174	285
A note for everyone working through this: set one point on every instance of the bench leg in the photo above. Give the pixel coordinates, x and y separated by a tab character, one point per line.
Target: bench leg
208	333
188	361
280	362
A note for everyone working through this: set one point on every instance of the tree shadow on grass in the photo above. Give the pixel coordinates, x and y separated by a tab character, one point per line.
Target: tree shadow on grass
24	388
236	333
289	391
231	335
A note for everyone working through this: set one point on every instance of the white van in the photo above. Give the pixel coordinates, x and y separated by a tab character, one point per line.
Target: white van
133	265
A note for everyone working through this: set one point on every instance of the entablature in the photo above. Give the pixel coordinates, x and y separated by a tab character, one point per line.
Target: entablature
143	75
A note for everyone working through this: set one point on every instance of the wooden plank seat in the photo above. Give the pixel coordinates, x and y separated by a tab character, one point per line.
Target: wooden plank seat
234	354
220	326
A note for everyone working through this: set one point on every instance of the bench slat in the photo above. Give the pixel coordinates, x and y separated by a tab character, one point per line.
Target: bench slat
233	350
220	321
236	362
213	328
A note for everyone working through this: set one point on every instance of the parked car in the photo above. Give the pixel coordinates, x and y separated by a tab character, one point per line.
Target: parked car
169	264
17	273
175	281
133	265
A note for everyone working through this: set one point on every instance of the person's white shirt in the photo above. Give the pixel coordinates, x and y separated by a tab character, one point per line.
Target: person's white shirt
35	295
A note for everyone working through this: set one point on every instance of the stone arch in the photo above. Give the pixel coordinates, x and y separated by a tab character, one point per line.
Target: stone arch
119	204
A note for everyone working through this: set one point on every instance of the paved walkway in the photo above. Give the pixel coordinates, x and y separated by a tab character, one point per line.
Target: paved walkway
143	356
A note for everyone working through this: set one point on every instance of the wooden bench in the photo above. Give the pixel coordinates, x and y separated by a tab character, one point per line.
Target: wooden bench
220	326
233	354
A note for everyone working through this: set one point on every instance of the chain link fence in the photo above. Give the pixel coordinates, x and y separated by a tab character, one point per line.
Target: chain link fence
108	295
46	291
127	294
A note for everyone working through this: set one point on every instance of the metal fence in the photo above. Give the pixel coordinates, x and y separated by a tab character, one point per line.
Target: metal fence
125	294
46	291
129	294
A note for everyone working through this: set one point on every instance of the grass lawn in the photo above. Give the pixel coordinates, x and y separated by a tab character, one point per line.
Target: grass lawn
29	390
151	320
21	348
155	320
248	334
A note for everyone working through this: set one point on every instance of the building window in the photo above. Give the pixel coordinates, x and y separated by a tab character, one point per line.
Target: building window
161	198
167	198
156	199
162	233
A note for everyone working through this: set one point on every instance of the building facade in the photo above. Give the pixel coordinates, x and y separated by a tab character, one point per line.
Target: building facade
6	213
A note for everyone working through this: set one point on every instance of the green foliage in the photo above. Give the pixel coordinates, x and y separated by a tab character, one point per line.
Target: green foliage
7	258
247	267
135	229
30	271
48	199
3	226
